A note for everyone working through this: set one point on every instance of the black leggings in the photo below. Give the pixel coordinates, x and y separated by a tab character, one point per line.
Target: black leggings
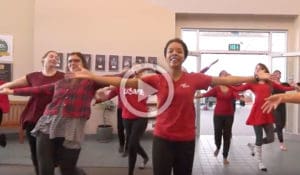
120	126
47	150
32	145
280	118
172	155
222	127
269	130
135	129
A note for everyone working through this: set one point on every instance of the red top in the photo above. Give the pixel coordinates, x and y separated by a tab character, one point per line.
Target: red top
261	91
72	96
224	104
4	102
37	104
177	122
132	96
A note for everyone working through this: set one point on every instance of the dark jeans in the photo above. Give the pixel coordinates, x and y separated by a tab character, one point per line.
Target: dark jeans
176	155
280	120
269	130
223	127
47	150
135	129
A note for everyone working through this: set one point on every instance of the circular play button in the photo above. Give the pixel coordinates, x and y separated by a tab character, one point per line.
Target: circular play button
145	90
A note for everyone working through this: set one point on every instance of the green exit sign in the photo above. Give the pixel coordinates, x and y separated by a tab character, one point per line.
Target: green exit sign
234	47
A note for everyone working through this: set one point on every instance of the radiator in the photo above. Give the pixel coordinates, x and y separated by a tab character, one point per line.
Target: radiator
12	119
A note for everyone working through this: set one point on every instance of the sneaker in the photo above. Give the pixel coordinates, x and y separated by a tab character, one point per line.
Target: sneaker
251	147
262	167
143	164
216	152
225	161
282	147
2	140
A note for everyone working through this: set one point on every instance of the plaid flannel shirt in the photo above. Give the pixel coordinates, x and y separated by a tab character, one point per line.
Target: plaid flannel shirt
72	96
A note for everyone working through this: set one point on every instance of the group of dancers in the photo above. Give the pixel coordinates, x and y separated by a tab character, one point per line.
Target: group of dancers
54	122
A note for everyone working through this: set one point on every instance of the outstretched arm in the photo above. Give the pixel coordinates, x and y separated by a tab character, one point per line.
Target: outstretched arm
106	80
232	80
274	100
16	83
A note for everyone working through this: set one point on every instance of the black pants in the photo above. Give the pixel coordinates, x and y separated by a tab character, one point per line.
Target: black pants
223	127
32	145
47	150
269	130
280	120
176	155
121	130
135	129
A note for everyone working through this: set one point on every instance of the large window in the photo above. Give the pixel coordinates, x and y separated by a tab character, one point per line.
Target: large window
238	51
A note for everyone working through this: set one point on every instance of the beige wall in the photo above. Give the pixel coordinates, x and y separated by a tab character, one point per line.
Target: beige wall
265	7
101	27
17	20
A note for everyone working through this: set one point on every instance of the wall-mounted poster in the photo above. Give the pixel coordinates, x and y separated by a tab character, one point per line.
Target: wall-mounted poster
5	72
113	63
60	61
100	63
127	62
88	58
140	60
152	60
6	50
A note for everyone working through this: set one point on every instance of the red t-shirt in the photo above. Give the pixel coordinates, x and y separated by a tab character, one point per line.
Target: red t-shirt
224	104
177	122
132	95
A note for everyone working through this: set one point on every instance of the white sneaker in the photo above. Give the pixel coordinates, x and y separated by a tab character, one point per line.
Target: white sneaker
262	167
251	147
143	164
283	147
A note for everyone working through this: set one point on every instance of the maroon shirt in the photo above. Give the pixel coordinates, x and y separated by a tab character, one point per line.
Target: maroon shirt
72	96
36	104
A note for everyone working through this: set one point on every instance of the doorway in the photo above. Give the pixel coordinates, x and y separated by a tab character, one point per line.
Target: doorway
237	52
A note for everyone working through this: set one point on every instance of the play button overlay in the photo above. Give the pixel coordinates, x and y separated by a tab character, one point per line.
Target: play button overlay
145	90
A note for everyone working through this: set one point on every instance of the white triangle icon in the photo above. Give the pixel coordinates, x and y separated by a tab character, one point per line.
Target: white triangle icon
148	90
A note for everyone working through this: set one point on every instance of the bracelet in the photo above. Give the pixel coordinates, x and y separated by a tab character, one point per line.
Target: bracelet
256	78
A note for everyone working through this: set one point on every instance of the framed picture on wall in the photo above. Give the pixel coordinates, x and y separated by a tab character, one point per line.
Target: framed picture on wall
100	63
152	60
88	58
127	62
5	72
140	60
60	61
113	63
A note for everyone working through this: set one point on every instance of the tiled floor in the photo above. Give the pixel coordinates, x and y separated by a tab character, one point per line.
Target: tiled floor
15	158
